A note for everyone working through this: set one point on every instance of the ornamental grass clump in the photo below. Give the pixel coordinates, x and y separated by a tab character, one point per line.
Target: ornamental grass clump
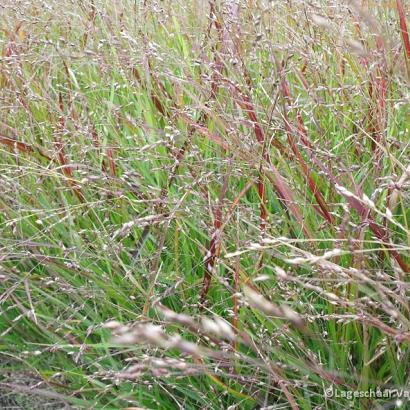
205	204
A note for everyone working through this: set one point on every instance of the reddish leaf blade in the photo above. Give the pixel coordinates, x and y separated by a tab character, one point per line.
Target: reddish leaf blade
403	29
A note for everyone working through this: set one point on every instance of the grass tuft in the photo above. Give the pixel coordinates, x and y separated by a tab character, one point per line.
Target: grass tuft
205	205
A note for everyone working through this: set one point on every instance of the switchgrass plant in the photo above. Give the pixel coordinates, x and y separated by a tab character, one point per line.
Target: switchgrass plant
204	204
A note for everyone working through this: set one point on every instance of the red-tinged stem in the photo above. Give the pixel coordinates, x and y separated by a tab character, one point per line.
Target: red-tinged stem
213	248
111	161
245	103
157	103
211	255
214	245
59	143
364	213
292	142
403	29
21	146
312	185
216	75
67	170
94	135
261	193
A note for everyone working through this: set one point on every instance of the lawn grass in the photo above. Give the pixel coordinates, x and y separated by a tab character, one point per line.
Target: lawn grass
204	205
